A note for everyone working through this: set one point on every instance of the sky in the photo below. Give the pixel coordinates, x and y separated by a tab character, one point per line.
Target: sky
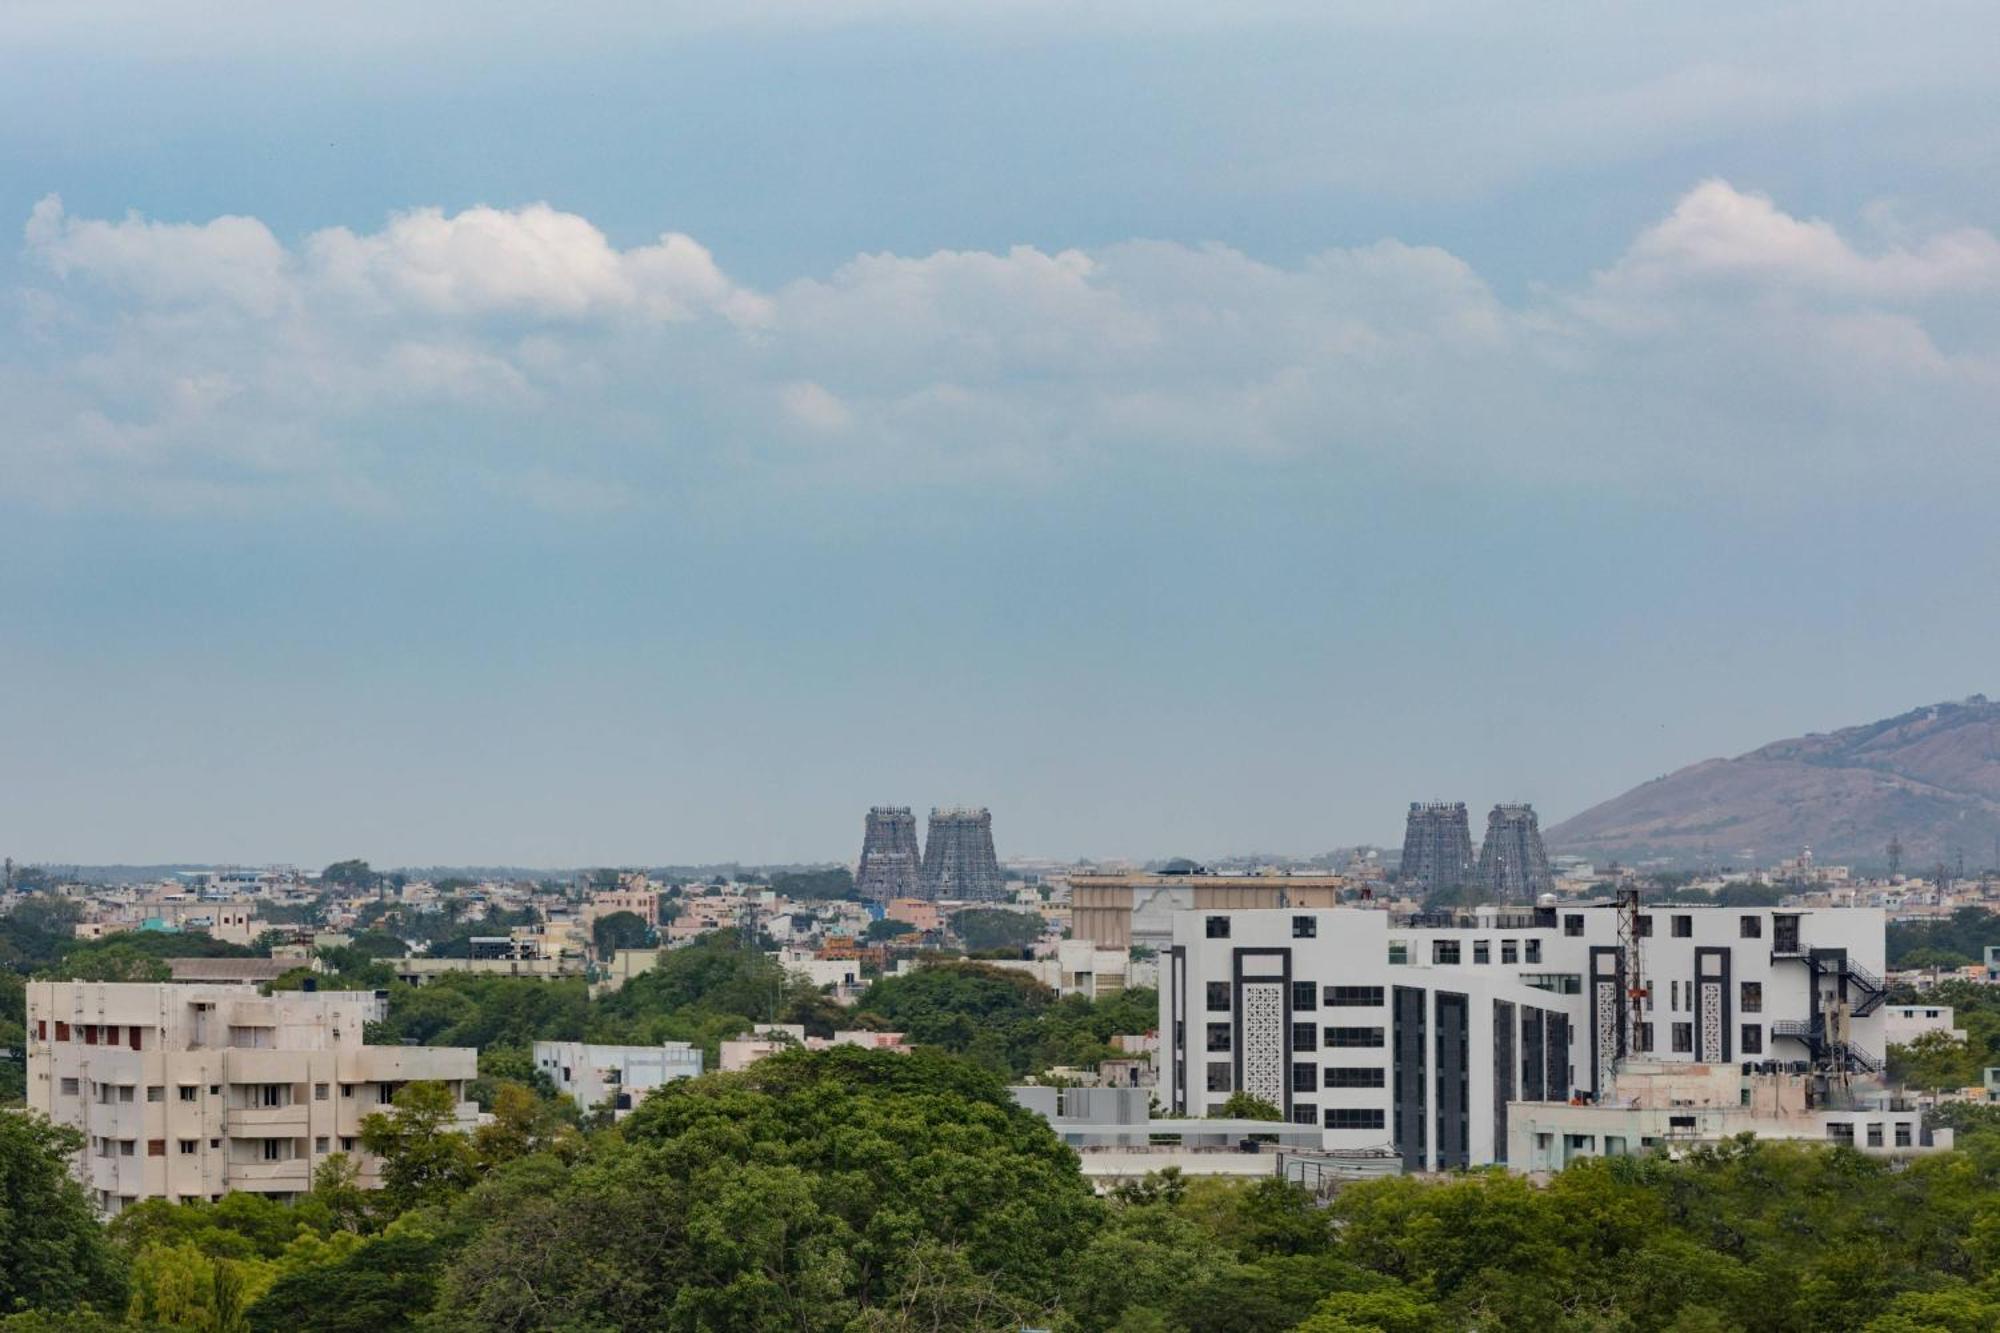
641	433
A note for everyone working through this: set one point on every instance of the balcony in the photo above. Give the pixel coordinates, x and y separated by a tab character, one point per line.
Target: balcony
266	1121
295	1174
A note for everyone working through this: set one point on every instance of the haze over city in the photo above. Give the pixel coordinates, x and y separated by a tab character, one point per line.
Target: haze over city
527	440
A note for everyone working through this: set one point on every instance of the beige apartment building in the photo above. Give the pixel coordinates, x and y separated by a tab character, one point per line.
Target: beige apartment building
193	1091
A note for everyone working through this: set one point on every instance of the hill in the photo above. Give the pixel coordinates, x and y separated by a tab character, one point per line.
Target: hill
1929	778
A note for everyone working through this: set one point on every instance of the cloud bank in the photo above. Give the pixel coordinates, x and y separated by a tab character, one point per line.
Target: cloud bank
522	355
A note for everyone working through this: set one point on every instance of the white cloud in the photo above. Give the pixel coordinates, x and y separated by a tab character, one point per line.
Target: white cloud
1728	341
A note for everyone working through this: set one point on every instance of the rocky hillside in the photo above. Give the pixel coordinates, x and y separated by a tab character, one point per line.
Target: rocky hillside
1929	778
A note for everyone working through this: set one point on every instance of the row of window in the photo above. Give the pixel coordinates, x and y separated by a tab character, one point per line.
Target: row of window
1306	1037
274	1150
1512	952
255	1094
93	1034
1750	1038
1842	1132
1680	923
1307	995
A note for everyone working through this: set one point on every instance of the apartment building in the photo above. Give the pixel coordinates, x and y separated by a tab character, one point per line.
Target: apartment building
1418	1031
193	1091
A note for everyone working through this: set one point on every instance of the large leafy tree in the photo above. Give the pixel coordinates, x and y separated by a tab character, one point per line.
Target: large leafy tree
426	1159
53	1255
816	1191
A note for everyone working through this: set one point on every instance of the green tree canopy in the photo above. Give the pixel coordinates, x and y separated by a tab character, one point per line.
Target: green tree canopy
53	1254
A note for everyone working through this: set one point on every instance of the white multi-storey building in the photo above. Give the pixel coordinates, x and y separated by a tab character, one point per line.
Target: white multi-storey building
617	1077
1419	1030
193	1091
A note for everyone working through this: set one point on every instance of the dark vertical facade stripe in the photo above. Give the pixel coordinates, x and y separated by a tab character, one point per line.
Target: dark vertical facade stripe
1178	1010
1409	1076
1531	1055
1453	1113
1556	1039
1607	963
1259	968
1709	965
1503	1074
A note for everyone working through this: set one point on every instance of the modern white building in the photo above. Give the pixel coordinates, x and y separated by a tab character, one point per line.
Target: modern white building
1420	1030
193	1091
617	1077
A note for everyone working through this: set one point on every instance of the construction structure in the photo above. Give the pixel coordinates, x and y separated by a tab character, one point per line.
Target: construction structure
959	863
891	866
1513	867
1437	848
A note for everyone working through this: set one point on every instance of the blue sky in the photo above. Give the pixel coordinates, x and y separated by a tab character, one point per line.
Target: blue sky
641	435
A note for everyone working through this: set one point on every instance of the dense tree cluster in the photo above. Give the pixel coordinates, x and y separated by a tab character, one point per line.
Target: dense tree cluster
1005	1021
1957	941
849	1190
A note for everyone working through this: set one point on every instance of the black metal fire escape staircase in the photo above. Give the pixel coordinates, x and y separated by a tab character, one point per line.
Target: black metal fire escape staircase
1864	992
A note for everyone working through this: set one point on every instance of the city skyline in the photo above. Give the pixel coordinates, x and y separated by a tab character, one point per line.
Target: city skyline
1160	430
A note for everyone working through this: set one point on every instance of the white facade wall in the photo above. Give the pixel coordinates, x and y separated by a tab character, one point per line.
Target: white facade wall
620	1077
1904	1023
194	1091
1508	979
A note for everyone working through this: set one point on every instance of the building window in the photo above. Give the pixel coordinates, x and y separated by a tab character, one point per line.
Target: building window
319	1144
275	1150
189	1091
1305	1036
1399	953
1353	1117
1305	1115
1305	927
62	1030
1673	995
1305	995
1534	951
1875	1134
156	1147
346	1144
1340	1076
1444	951
69	1087
1218	996
1218	1036
1354	997
1305	1077
132	1035
215	1089
1643	1037
1750	998
1336	1037
128	1147
127	1092
1482	951
1902	1133
1219	1074
1510	953
320	1091
188	1146
1752	1042
1751	927
1573	924
1218	927
156	1094
1683	1037
215	1143
347	1089
1645	927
